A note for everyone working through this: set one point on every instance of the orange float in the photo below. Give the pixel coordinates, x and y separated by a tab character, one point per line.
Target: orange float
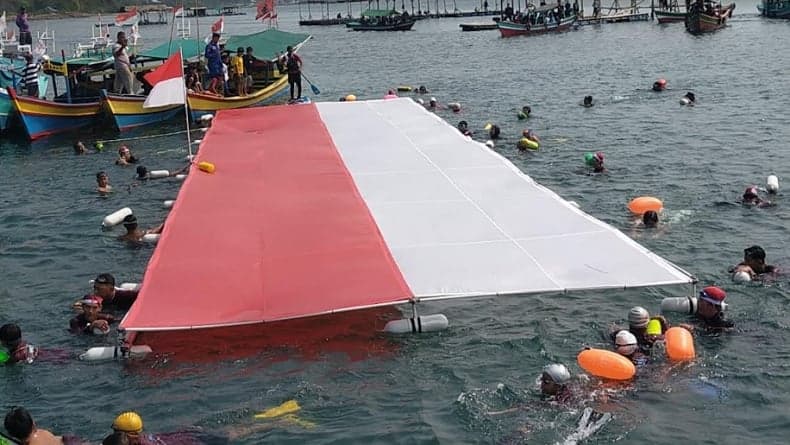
680	344
643	204
606	364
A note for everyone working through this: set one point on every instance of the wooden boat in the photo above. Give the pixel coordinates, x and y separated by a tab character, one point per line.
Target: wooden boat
43	118
200	104
776	9
477	26
128	111
399	26
670	16
537	22
6	108
382	20
704	17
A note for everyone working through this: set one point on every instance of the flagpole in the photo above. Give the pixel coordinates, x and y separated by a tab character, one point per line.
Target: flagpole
186	106
172	25
197	25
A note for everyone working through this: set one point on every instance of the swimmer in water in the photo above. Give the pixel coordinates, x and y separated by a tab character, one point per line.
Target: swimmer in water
121	299
531	135
526	110
493	132
422	90
554	382
710	311
595	160
80	149
691	98
588	102
660	85
125	156
650	219
752	198
20	426
433	104
103	183
131	424
91	321
133	233
638	320
463	127
18	349
626	345
753	263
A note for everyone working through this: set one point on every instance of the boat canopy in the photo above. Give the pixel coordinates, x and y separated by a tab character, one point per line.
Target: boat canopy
327	207
265	44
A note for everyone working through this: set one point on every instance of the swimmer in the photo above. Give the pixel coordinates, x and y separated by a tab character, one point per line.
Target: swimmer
691	98
526	110
752	198
131	424
650	219
753	263
18	349
432	103
588	102
710	312
20	426
463	127
531	135
638	320
125	156
422	90
626	345
143	172
117	438
121	299
103	183
133	233
493	132
80	148
554	382
660	85
595	160
91	321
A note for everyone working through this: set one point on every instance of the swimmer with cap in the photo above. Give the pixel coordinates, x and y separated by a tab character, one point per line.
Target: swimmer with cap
595	160
103	183
710	311
753	263
751	197
463	127
104	287
432	103
493	131
626	345
18	350
125	156
135	234
638	320
91	321
422	90
650	219
131	424
554	382
691	98
587	102
21	427
660	85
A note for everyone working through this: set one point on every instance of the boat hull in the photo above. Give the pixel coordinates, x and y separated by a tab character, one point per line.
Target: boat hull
42	118
670	17
200	104
128	111
511	29
697	22
403	26
6	107
774	9
477	26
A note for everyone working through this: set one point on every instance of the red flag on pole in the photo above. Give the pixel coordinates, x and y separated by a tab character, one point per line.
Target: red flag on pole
266	10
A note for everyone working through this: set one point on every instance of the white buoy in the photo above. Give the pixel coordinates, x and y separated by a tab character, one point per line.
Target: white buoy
151	238
420	101
204	129
686	305
684	101
741	276
158	174
99	331
181	177
168	204
574	203
115	218
490	143
197	141
113	352
455	106
772	184
189	158
128	286
423	323
206	118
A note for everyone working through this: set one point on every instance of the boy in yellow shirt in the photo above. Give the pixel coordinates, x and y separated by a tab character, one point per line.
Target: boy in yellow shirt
237	64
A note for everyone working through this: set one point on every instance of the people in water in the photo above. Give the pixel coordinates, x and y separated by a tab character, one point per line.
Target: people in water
80	148
689	96
494	131
144	174
650	219
587	102
125	156
21	427
463	127
595	160
710	311
626	344
525	112
103	183
638	320
121	299
130	424
432	103
135	234
753	263
18	349
91	320
422	90
531	135
751	197
554	382
660	85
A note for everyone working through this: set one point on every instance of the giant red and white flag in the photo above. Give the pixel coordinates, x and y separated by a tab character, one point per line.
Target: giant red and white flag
266	10
218	27
178	11
168	83
129	18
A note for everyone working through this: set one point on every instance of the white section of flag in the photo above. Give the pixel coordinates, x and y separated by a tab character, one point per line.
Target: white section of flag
178	12
168	81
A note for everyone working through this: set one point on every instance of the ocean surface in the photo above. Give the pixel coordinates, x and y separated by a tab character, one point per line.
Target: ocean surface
356	386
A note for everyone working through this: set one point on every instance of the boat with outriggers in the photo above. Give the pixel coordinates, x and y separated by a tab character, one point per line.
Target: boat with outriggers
382	20
775	9
706	16
540	20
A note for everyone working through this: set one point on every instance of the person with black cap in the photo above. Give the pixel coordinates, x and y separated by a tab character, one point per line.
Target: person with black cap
18	350
133	233
121	299
753	263
650	219
463	127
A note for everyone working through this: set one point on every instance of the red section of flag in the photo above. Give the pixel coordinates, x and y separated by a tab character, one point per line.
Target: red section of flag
127	18
171	69
266	10
219	25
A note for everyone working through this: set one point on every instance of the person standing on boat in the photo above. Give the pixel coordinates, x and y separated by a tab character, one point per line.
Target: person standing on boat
25	38
123	67
249	66
30	75
214	59
293	64
239	77
596	8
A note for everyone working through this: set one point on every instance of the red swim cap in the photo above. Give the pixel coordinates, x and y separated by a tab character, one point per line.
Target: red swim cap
713	294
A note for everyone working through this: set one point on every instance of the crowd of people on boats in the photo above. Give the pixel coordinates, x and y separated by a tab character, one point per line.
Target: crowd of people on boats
542	15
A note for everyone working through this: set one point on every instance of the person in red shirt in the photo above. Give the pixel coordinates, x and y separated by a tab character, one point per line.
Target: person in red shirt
293	64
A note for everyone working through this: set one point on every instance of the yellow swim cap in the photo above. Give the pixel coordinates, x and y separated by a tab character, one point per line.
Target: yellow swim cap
654	327
128	422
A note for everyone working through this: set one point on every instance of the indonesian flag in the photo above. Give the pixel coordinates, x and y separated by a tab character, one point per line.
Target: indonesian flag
127	18
168	83
178	12
266	10
2	23
218	27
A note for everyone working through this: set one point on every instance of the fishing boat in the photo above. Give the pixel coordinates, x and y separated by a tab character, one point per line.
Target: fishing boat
43	118
536	21
6	107
478	26
665	16
775	9
127	111
382	20
363	239
205	103
705	16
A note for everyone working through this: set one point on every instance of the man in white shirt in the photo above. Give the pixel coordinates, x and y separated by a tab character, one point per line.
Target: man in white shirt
123	68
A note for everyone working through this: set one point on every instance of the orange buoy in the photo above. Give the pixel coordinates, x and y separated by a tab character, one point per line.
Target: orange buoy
680	344
643	204
606	364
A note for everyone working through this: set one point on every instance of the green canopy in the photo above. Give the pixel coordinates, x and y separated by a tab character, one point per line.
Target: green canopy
379	13
265	45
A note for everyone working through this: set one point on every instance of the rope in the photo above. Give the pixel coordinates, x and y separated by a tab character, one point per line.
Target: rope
148	137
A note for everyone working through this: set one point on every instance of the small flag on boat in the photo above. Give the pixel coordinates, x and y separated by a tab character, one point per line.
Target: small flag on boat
168	82
2	23
218	27
179	11
128	18
266	10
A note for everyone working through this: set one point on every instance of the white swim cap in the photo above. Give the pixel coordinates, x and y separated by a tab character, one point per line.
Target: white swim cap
625	343
558	372
638	317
